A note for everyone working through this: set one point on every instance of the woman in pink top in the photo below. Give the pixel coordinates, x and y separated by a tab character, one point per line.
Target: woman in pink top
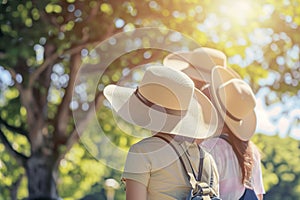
237	163
237	158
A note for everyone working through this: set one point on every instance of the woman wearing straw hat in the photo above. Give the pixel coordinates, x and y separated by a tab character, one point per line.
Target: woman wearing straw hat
167	103
240	165
237	159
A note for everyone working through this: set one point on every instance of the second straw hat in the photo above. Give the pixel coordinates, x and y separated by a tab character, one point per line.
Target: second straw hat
235	101
198	63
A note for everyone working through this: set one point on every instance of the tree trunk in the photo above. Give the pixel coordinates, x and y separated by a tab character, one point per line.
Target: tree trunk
40	173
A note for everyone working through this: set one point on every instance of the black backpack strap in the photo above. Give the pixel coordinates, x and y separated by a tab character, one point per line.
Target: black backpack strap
225	137
202	154
182	156
211	177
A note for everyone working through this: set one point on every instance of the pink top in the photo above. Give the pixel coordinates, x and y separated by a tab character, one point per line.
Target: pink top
230	184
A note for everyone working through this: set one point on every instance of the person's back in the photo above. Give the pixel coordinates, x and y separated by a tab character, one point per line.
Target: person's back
230	174
156	165
230	181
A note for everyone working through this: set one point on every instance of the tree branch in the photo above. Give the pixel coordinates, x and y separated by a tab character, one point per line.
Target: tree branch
53	57
18	130
71	51
76	133
21	158
63	113
39	70
63	109
14	75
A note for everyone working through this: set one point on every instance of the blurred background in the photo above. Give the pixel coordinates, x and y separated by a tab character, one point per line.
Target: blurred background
58	137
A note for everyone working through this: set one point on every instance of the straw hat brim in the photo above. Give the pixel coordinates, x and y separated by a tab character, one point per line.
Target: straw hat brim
200	120
243	129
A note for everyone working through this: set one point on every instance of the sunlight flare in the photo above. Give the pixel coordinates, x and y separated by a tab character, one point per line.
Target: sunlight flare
240	11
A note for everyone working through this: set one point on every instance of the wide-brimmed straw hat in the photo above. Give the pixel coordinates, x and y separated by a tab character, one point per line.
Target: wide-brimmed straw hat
235	101
198	63
165	101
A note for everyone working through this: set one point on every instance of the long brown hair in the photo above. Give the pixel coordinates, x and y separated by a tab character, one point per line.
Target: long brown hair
244	153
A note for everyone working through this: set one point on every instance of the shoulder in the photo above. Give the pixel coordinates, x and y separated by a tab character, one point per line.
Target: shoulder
149	141
220	151
216	144
214	141
147	144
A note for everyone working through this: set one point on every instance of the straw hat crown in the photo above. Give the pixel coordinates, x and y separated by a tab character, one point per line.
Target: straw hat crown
196	64
237	98
167	89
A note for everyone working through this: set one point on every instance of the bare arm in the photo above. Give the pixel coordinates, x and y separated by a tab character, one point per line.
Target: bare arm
135	190
260	196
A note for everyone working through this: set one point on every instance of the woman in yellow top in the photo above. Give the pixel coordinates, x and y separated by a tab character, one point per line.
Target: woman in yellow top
167	103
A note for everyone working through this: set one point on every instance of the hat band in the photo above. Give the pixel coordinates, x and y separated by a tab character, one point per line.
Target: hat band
158	107
224	108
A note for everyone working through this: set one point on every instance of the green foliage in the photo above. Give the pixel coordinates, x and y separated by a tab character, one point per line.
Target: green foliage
280	166
18	19
79	171
11	172
121	133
